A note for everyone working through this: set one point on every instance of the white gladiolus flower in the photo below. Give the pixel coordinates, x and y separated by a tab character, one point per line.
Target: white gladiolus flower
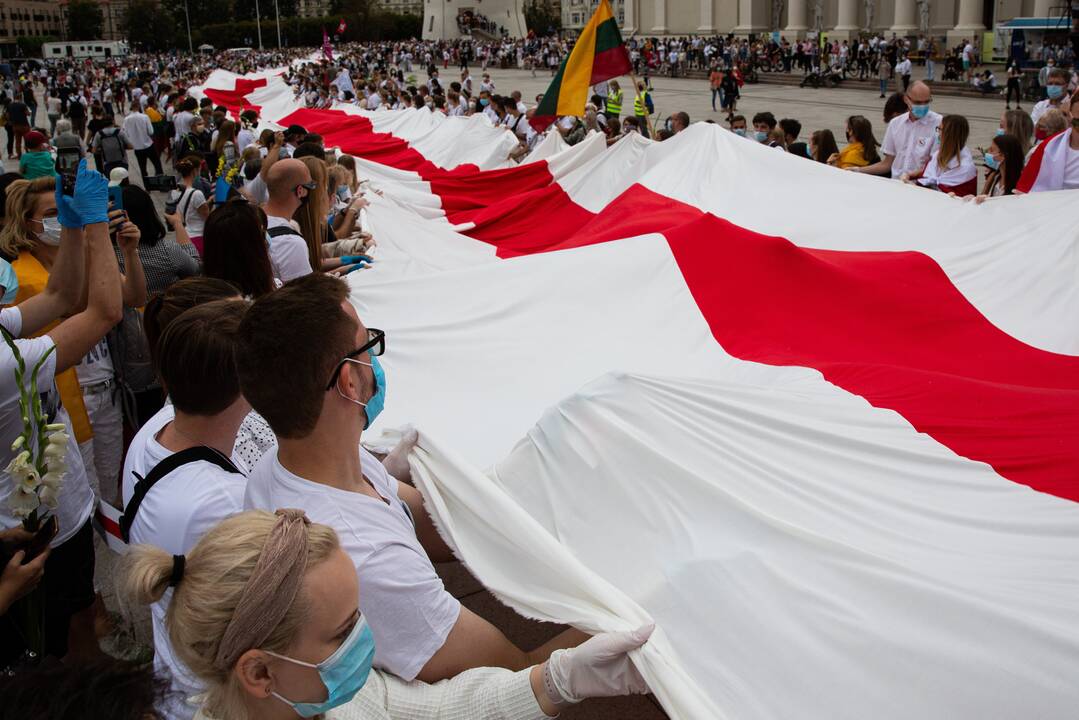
53	479
28	482
19	442
22	504
20	465
50	497
56	446
53	427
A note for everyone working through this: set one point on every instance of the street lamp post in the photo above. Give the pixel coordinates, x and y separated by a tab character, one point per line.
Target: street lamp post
277	13
258	22
187	18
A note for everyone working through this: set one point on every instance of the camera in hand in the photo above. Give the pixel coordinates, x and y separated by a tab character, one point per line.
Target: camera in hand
67	166
172	201
160	183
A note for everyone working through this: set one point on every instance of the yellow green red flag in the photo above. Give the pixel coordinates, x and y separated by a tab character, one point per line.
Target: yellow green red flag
598	55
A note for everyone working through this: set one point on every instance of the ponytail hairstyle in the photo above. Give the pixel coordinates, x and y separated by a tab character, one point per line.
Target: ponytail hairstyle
215	575
311	216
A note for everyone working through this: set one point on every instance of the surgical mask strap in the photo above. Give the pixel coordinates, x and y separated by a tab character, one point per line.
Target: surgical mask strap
346	397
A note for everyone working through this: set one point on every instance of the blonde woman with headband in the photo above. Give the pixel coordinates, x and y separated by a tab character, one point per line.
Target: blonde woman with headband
264	611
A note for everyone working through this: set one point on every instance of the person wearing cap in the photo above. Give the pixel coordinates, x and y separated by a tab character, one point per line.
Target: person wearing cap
37	161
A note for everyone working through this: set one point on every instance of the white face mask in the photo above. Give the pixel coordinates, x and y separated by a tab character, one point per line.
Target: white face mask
50	231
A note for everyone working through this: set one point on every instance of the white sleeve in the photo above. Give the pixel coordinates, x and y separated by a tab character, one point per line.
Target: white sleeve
197	200
410	612
478	694
888	146
11	319
290	260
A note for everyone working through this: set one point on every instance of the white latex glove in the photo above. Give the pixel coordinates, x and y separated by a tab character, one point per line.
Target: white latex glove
599	667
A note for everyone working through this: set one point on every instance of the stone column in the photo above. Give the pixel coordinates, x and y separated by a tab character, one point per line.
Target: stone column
796	19
707	23
1041	8
752	17
970	24
906	18
629	17
660	26
846	20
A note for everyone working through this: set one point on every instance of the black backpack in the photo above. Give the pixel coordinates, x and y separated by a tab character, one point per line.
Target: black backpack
112	147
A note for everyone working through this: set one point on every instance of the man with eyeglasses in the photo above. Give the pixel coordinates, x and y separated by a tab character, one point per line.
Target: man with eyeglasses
311	368
910	137
289	185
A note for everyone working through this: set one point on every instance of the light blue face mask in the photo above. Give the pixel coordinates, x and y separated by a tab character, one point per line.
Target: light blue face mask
760	136
10	282
740	132
1000	131
991	162
919	111
374	405
1054	91
343	673
342	192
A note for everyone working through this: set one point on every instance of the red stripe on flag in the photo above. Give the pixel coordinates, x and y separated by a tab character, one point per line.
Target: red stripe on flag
890	327
234	100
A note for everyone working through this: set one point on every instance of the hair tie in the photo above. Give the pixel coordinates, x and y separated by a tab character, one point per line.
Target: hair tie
178	563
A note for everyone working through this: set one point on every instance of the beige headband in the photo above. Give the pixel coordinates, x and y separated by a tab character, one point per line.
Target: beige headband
271	589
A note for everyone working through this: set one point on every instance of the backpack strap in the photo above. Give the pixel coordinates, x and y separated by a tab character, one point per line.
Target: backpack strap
281	231
159	471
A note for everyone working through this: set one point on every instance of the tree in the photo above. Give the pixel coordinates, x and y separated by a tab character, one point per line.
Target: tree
148	26
31	46
84	20
540	16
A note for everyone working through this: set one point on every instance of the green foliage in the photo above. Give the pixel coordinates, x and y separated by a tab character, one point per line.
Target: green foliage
31	46
297	31
148	26
540	16
84	20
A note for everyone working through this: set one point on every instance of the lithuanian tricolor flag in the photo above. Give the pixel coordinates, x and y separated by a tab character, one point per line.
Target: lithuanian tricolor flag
598	55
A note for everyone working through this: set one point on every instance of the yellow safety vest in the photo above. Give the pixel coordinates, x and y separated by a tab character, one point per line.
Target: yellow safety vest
614	103
640	107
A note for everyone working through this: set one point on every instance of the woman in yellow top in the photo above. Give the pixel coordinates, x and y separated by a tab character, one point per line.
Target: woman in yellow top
861	149
31	235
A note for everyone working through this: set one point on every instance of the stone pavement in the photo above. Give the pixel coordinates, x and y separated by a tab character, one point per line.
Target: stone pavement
816	109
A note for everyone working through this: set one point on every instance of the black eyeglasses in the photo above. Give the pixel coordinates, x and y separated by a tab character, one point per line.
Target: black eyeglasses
376	345
309	185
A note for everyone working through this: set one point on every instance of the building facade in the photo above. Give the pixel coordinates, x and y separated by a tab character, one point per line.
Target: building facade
313	8
402	7
29	18
840	19
440	17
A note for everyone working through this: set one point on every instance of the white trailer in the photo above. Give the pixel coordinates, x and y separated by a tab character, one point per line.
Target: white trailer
84	49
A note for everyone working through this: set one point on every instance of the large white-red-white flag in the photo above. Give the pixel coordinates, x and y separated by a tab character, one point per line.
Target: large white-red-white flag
823	429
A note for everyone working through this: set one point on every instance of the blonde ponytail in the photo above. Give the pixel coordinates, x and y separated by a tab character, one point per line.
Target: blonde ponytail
144	575
203	603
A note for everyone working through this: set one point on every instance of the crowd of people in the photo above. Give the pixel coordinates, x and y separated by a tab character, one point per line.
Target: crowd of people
210	378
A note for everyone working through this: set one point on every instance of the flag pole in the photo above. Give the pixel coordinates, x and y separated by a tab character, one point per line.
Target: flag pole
647	117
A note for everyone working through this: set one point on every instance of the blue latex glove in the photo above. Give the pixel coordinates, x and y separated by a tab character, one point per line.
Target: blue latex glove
66	212
353	259
353	268
91	199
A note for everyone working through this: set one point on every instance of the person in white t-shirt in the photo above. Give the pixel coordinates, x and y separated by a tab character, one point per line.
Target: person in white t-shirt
289	184
194	358
310	368
69	570
910	137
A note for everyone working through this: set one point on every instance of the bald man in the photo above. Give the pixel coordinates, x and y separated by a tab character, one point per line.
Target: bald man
289	185
910	137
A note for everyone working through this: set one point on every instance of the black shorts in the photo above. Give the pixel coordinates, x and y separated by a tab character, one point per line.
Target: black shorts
68	587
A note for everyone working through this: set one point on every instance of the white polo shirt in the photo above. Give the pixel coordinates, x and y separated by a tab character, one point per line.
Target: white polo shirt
910	142
406	604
